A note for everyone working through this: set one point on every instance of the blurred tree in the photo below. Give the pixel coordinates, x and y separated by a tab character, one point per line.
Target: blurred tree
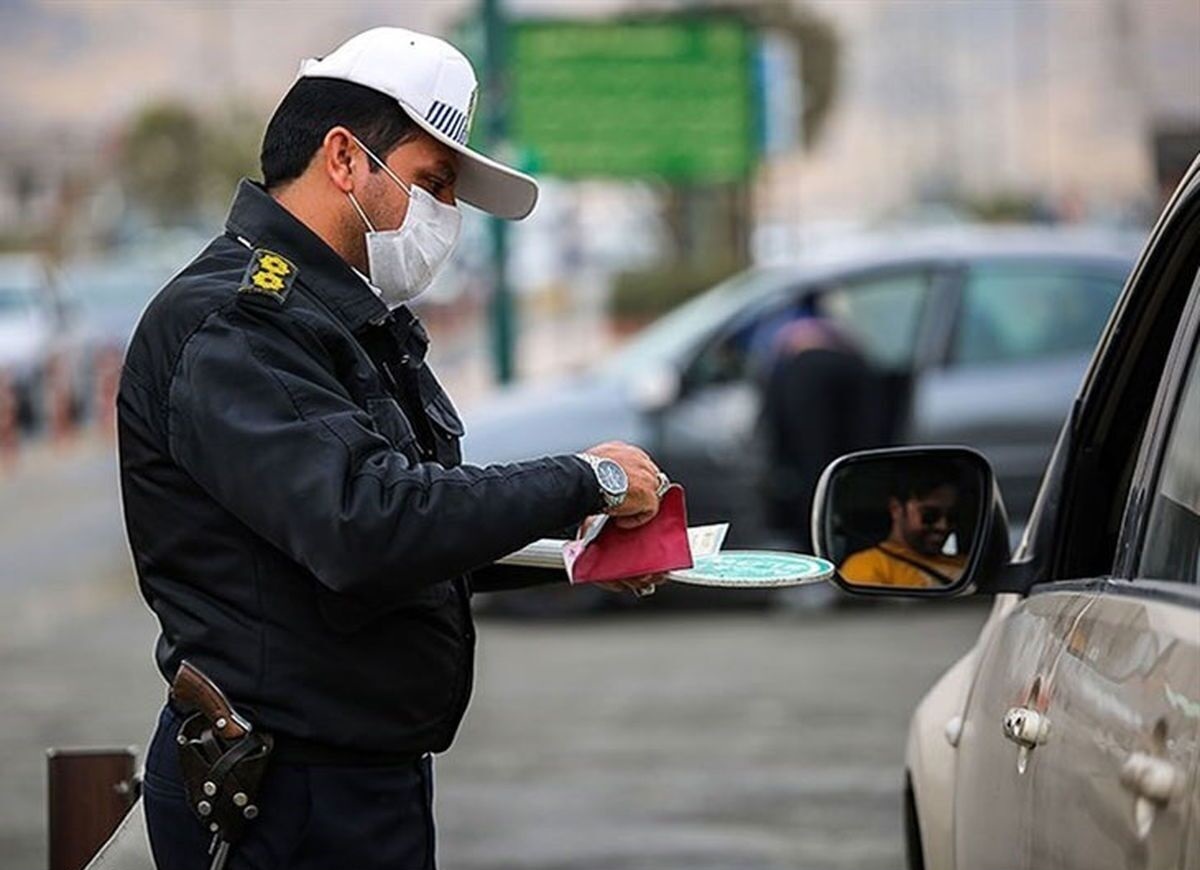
160	167
710	225
641	295
1008	207
179	165
230	150
818	48
819	57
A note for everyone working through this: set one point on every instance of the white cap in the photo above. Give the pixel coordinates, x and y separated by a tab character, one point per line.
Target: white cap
435	85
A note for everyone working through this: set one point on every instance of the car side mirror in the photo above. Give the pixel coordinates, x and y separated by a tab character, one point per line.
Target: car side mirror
911	521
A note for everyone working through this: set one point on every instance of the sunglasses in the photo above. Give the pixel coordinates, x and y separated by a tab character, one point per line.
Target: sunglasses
930	515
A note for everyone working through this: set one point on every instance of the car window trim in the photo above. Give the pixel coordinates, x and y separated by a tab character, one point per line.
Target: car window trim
1158	590
1083	586
1182	357
940	319
774	302
1044	551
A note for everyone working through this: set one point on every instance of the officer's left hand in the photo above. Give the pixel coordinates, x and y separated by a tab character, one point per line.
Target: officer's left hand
639	586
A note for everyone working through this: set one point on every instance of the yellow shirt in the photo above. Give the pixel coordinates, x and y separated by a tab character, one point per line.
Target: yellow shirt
876	566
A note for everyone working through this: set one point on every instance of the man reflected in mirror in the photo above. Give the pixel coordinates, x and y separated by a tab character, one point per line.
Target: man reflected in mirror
921	549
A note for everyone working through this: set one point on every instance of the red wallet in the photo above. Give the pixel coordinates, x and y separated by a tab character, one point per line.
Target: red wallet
614	553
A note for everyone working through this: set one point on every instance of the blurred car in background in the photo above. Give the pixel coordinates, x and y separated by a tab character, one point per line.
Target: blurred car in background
110	296
109	293
39	333
981	335
112	291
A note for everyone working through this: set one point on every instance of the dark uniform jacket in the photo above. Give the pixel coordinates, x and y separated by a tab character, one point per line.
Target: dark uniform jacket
298	516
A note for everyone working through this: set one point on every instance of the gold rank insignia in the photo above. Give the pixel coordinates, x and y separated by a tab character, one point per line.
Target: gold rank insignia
270	274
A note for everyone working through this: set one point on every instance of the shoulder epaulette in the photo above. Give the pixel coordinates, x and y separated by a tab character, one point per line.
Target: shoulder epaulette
270	274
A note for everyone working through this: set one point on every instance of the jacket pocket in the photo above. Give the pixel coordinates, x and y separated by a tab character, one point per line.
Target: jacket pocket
392	424
438	407
444	415
447	426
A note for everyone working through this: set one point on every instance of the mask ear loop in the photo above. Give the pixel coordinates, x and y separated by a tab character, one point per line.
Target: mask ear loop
362	214
407	188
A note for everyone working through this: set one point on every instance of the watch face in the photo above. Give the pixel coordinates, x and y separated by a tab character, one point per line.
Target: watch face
611	476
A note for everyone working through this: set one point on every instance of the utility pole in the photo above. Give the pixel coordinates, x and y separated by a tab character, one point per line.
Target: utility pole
502	315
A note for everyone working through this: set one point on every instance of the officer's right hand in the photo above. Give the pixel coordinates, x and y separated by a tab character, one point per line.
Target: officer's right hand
641	500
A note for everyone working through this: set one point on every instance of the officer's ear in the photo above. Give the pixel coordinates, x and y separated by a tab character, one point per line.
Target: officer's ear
342	159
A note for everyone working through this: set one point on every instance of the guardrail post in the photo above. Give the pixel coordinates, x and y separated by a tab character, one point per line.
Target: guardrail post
10	434
60	413
90	791
104	398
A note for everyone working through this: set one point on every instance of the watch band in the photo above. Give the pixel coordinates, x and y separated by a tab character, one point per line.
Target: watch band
610	500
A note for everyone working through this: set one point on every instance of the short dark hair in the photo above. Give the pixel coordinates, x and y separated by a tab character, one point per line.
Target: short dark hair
920	480
312	108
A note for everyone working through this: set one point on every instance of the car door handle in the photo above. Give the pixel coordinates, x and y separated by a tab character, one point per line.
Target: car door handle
1153	781
1150	777
1026	727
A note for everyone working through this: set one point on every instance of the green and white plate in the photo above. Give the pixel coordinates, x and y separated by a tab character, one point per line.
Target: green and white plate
754	569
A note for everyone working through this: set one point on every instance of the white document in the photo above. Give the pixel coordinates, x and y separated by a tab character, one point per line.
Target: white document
548	552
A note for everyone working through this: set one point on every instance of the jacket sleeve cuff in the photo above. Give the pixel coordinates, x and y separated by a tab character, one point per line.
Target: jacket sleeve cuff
591	499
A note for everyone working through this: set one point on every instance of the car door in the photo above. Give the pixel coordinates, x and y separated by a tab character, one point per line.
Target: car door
994	815
710	439
1118	785
1023	704
1023	335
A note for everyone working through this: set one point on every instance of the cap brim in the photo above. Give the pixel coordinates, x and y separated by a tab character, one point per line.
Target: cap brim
484	183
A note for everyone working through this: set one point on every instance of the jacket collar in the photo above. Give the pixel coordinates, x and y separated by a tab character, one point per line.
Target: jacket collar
260	220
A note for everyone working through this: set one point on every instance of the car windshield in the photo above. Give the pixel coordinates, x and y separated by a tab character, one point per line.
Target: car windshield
670	337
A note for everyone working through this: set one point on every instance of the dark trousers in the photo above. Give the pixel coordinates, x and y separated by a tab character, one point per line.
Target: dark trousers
313	817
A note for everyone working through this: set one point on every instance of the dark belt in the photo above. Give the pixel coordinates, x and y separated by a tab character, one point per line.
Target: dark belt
298	750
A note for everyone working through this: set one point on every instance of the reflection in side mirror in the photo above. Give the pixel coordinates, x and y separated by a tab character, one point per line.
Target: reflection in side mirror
909	521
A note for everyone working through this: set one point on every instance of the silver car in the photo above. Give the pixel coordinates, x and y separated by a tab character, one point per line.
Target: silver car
1069	737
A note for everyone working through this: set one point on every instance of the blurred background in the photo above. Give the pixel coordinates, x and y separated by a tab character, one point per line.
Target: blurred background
937	201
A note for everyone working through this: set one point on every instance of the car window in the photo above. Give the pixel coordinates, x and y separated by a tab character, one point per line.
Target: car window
1172	547
883	314
668	340
1017	313
742	351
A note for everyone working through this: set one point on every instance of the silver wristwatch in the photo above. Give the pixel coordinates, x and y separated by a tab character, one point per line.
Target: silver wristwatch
611	478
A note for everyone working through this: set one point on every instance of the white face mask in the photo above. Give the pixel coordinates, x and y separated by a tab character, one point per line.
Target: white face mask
403	261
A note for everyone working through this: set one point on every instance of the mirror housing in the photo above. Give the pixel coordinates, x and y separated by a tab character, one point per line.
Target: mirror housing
913	522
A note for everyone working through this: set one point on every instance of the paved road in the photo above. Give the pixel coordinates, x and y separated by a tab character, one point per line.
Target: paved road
648	740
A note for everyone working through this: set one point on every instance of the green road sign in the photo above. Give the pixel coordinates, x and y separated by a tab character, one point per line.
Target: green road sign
661	98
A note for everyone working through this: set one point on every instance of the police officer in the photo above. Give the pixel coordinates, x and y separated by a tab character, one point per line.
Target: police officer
299	518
